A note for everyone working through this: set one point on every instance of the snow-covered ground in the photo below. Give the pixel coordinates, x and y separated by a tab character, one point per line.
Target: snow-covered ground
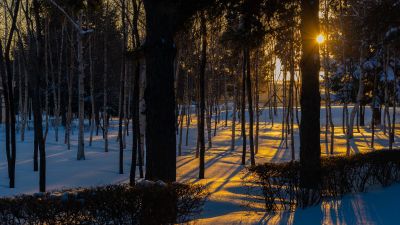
226	180
225	177
63	170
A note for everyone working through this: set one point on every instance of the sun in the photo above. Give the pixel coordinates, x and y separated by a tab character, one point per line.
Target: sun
320	39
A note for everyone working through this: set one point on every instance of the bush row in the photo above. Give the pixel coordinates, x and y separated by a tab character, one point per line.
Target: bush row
339	175
146	203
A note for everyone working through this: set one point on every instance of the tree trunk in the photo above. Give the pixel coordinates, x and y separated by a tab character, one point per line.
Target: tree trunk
216	116
37	104
257	100
20	100
25	105
202	68
310	149
6	72
135	124
393	131
160	111
361	115
46	75
81	94
69	110
376	114
126	106
208	116
250	107
120	120
92	117
226	100
121	104
291	96
360	95
105	92
189	111
57	97
6	94
234	110
181	118
243	109
142	115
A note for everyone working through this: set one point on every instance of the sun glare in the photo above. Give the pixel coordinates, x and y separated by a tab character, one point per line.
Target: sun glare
320	39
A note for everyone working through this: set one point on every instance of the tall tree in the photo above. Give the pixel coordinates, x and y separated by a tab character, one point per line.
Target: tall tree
7	82
310	149
202	68
243	107
80	34
250	106
36	101
163	19
160	113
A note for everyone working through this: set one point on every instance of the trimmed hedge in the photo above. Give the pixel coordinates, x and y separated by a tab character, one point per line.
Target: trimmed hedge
339	175
146	203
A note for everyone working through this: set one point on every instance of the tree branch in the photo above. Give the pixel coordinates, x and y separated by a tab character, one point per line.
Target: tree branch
76	25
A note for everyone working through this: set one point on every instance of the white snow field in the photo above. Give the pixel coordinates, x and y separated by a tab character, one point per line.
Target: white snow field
226	180
63	170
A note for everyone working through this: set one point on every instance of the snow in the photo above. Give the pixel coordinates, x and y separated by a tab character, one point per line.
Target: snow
357	72
339	71
375	207
392	33
226	179
63	170
371	64
390	74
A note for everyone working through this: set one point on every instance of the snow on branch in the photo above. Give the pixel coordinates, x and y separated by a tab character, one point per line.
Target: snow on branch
392	33
76	25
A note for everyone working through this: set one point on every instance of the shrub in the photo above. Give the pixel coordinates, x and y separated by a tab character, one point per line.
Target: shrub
146	203
340	175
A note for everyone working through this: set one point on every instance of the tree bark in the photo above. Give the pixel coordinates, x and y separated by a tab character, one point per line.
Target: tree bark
92	117
310	149
360	95
257	100
291	97
7	80
81	93
57	97
181	116
393	131
159	93
37	103
202	68
234	111
250	107
105	91
135	124
243	108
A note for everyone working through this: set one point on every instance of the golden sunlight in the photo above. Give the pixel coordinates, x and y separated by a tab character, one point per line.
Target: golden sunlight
320	39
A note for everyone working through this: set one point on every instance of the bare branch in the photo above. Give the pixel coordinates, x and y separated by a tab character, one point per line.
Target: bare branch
76	25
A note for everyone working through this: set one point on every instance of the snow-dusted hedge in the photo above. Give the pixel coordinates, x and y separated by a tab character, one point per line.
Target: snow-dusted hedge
146	203
339	175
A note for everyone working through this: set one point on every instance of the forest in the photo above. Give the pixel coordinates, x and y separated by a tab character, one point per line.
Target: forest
199	111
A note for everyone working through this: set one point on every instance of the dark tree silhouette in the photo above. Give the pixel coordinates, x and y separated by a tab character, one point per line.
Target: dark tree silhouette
163	20
202	69
37	110
310	150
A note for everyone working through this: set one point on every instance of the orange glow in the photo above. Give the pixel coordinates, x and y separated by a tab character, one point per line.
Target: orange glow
320	39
